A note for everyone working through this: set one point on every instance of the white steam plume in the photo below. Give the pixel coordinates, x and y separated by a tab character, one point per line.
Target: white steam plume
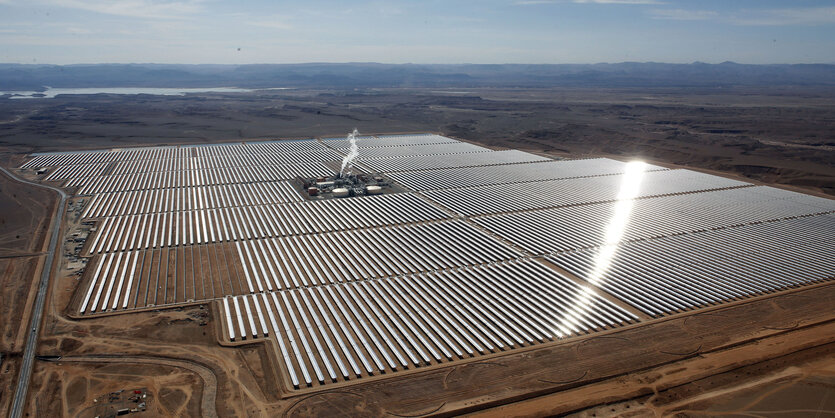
348	160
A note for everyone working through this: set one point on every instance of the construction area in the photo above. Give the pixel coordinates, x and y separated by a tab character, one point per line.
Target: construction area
364	258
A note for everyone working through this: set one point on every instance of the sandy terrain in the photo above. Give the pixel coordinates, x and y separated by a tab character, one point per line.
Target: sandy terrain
73	386
17	273
798	383
24	220
8	380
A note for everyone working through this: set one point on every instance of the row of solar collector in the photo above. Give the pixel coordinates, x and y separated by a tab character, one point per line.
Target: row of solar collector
311	260
119	233
418	158
259	147
77	171
160	153
449	178
250	148
75	165
389	141
471	201
436	161
189	198
307	145
279	147
203	163
291	262
81	171
87	157
665	275
366	154
164	276
171	179
501	197
131	259
319	259
584	226
360	329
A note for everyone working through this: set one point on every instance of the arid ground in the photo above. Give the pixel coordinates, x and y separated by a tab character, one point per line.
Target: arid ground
25	214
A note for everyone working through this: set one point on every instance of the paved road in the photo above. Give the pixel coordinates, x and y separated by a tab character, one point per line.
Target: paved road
40	301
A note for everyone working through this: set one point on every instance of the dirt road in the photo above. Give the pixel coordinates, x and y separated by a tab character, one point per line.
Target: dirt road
207	404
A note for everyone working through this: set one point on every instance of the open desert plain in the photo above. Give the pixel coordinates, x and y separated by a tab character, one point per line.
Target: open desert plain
496	252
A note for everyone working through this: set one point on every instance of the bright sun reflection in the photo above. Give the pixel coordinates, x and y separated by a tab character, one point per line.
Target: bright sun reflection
628	191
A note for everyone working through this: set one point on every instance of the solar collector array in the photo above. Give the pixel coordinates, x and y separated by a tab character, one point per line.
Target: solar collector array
390	141
481	200
318	259
187	198
436	161
186	178
262	147
69	159
345	331
188	227
224	161
77	171
87	157
259	265
158	277
670	274
416	150
566	228
512	173
354	287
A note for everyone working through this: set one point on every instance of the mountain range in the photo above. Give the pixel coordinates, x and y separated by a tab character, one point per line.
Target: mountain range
365	75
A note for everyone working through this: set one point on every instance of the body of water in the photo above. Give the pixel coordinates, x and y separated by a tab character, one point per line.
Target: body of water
160	91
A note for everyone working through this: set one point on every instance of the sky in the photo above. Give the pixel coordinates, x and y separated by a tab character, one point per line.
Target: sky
400	31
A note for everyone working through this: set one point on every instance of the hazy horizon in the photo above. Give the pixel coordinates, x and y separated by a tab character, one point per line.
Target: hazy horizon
413	63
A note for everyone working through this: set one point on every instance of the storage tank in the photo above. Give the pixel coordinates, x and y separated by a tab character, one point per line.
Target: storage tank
340	192
373	189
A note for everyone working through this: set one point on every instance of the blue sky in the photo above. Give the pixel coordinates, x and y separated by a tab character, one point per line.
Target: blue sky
450	31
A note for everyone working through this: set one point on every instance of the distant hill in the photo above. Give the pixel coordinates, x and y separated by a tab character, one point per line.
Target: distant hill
350	75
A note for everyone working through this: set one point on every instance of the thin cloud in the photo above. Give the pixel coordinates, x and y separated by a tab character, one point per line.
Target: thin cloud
620	1
262	21
270	24
75	30
134	8
681	14
809	16
535	2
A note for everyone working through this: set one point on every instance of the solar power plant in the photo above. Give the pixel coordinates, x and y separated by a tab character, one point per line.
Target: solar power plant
475	252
